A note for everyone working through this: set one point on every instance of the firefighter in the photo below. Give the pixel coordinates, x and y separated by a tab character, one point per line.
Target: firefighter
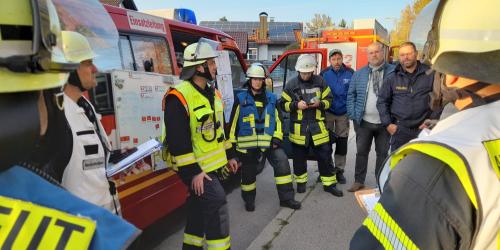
443	191
255	129
85	175
194	126
36	212
306	97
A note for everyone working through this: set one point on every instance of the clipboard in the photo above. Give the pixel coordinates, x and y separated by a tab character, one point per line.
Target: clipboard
367	198
142	151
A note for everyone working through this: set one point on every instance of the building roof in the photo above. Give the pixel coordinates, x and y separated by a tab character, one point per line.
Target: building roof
241	39
279	32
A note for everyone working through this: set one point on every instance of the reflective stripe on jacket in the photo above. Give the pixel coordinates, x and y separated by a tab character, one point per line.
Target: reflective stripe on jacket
469	143
254	130
206	127
308	122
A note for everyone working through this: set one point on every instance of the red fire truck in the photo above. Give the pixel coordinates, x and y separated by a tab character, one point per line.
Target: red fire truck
352	42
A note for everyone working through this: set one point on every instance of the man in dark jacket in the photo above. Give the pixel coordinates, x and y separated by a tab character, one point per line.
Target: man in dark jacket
362	109
403	101
338	76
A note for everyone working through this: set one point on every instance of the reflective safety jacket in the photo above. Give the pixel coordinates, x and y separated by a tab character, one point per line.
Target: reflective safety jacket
205	121
251	128
468	143
309	122
35	214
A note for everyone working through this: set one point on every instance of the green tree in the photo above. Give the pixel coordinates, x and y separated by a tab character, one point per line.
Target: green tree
343	23
292	46
223	19
318	22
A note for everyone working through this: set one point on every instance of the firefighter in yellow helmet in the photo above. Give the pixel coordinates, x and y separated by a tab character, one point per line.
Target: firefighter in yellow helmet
194	127
256	129
307	97
442	190
36	212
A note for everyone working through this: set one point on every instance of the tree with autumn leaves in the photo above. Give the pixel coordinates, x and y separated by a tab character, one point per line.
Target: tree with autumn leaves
402	31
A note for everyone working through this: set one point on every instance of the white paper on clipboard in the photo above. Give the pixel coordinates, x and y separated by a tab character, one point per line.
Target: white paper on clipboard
367	199
143	150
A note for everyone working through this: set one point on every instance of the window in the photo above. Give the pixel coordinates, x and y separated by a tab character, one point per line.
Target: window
238	75
126	54
275	57
252	54
151	54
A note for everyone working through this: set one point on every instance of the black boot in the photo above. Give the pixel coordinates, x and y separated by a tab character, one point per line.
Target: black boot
332	189
301	187
293	204
250	206
340	176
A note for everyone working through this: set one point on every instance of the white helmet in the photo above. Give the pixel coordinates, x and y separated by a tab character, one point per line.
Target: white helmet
466	45
198	53
305	63
256	70
76	47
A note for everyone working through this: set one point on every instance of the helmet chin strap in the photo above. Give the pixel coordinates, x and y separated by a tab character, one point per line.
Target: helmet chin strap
74	80
206	74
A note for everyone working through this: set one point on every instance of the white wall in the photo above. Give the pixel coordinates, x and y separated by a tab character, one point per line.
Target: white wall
275	50
262	52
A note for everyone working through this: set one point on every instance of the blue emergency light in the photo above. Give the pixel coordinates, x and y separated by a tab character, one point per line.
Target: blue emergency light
185	15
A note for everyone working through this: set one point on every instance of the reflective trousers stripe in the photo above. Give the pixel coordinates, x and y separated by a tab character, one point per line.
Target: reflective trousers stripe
280	180
387	231
221	244
248	187
301	178
193	240
328	180
185	159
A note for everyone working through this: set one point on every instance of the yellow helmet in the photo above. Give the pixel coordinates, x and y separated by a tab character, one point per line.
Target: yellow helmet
256	70
198	53
306	63
16	49
463	40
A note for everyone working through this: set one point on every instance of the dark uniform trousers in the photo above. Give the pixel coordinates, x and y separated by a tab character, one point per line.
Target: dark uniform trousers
207	214
278	160
402	136
322	154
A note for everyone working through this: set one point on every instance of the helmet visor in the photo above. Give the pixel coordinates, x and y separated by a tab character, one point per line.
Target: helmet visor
198	54
49	19
424	32
90	19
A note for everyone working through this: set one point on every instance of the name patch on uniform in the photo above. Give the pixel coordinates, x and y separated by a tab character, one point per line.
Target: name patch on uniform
493	149
401	88
208	126
94	163
24	225
312	91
